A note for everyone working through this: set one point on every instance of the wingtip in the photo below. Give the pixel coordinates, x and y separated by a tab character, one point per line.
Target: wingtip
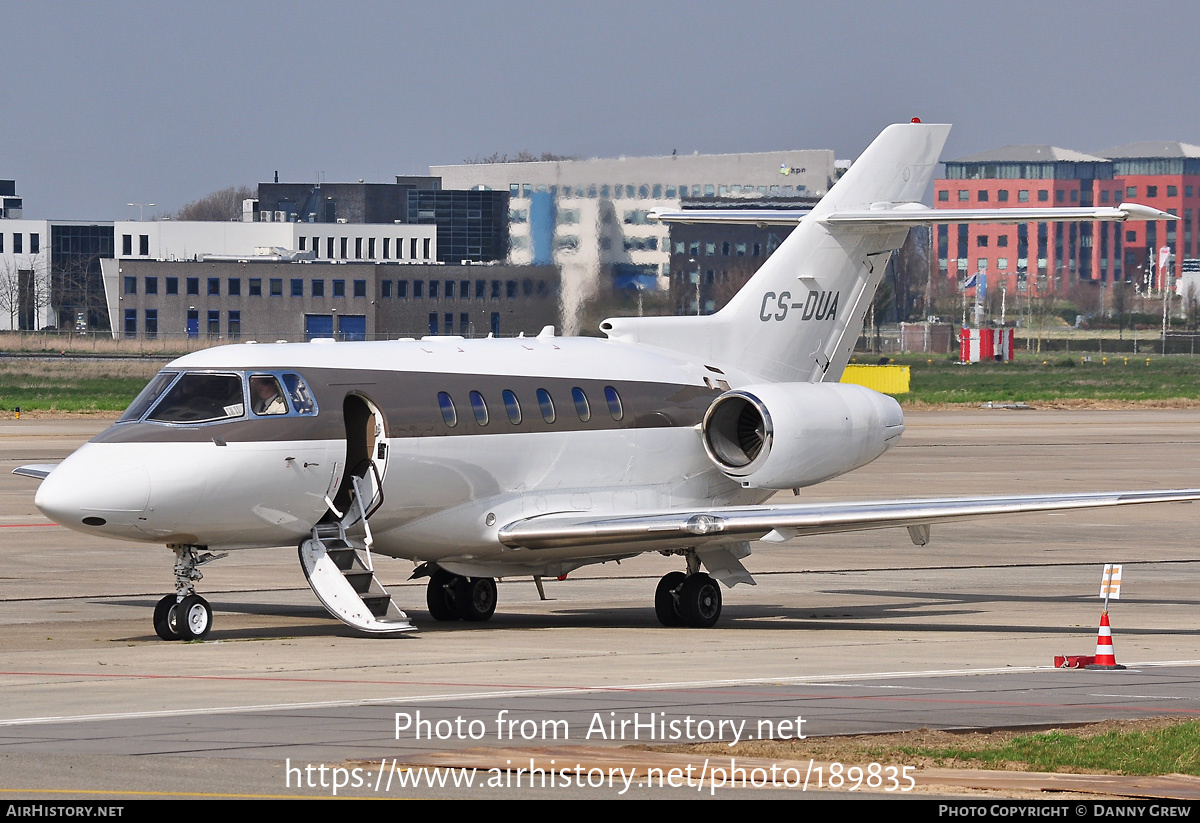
1136	211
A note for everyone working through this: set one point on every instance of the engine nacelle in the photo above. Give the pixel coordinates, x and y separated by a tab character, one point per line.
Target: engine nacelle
788	435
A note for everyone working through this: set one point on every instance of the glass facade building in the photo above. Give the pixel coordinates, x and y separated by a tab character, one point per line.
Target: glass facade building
471	224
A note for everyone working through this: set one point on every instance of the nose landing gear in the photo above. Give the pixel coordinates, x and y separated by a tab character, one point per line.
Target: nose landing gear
185	615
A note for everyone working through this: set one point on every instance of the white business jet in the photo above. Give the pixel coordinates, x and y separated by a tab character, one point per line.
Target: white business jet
534	456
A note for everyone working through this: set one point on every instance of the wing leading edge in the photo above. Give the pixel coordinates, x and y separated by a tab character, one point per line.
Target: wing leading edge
699	527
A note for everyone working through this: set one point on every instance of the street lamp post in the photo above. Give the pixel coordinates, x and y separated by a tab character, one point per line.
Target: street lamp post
696	279
141	206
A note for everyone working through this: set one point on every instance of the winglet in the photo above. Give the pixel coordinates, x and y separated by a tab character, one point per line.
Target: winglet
1136	211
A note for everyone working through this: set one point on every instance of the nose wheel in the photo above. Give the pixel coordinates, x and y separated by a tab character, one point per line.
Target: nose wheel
187	619
185	615
164	618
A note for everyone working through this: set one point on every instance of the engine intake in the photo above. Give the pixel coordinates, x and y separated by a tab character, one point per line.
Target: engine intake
788	435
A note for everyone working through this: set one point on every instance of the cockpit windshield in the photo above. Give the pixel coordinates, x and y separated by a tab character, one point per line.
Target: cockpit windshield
213	397
148	396
201	398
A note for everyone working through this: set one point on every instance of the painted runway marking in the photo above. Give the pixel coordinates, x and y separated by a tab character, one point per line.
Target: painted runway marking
902	688
699	685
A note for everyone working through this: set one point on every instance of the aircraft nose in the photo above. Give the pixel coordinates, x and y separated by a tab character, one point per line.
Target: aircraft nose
94	487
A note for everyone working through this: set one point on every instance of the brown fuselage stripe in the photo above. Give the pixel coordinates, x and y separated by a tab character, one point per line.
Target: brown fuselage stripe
409	402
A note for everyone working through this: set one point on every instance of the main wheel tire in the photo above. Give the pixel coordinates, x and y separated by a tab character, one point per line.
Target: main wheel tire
440	595
700	601
164	621
665	604
476	598
192	618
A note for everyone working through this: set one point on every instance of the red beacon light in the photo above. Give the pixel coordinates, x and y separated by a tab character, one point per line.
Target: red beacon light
915	120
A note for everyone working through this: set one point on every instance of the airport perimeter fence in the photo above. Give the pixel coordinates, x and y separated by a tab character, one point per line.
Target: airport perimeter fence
890	340
102	342
910	339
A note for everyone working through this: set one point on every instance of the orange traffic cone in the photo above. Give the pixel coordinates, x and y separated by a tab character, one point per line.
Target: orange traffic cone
1105	658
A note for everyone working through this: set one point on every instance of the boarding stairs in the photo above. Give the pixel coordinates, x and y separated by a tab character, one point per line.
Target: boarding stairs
340	570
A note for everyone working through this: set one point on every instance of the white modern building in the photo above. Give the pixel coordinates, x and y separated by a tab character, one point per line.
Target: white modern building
30	298
589	217
174	240
25	299
188	240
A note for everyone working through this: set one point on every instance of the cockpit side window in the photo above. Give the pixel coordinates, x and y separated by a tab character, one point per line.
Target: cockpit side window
266	395
148	396
201	397
301	397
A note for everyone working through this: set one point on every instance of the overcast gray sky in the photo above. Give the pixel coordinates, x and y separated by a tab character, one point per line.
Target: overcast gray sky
102	104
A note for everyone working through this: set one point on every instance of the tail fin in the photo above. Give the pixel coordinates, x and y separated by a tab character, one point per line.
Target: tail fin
798	317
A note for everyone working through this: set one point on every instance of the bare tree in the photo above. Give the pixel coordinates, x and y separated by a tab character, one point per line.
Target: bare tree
1040	308
727	284
881	304
225	204
23	290
945	298
10	290
77	288
41	298
1191	305
519	157
910	273
1120	305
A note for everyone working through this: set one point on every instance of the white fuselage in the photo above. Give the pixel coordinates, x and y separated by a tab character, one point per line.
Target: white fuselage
447	491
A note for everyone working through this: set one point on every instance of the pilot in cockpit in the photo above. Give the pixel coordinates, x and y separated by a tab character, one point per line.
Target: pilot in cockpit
267	397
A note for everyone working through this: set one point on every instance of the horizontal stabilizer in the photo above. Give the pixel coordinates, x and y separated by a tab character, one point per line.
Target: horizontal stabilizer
916	214
910	214
736	217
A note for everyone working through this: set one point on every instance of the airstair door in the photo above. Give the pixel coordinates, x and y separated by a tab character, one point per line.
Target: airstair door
361	490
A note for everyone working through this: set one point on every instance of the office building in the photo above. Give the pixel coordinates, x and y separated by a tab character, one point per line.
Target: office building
590	217
268	298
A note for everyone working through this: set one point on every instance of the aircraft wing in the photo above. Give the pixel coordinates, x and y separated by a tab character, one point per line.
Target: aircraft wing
37	470
776	523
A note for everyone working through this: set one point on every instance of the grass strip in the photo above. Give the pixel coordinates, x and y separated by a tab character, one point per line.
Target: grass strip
941	379
82	385
72	385
1170	750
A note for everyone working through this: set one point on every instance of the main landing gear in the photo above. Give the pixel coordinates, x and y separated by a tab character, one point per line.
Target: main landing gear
454	597
688	600
185	615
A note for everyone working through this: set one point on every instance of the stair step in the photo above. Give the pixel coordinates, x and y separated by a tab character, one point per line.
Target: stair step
348	588
360	580
377	603
346	559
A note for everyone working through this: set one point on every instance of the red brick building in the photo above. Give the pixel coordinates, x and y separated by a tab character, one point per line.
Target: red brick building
1028	257
1035	257
1165	175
